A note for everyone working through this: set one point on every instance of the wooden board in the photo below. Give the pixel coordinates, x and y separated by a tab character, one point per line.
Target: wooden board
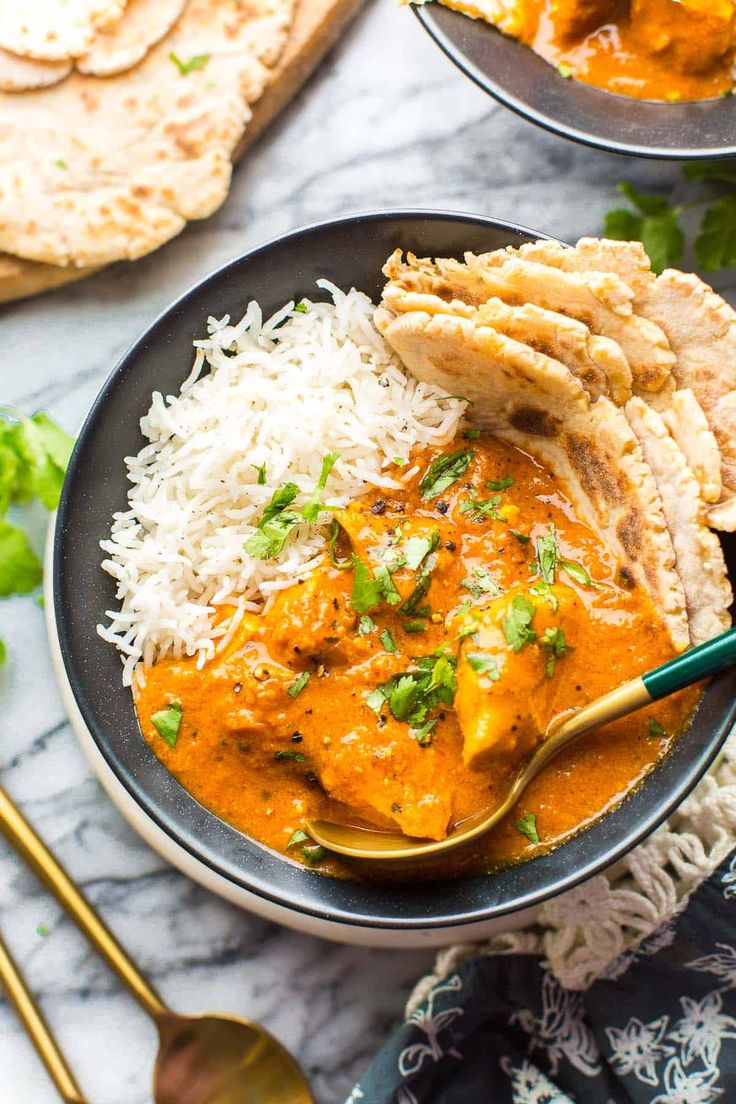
317	26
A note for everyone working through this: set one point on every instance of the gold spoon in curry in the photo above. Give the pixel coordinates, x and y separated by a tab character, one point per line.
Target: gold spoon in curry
201	1059
685	670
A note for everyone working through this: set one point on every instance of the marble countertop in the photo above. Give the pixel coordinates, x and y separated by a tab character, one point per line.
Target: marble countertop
387	121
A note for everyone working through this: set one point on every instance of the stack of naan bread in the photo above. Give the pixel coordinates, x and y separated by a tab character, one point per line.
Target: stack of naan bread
620	382
120	119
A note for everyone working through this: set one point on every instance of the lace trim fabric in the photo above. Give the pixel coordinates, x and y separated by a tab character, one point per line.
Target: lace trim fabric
584	933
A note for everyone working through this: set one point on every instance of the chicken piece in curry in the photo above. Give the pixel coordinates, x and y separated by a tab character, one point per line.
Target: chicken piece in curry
402	680
668	50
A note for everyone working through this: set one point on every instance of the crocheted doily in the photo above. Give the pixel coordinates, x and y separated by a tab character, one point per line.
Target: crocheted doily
582	932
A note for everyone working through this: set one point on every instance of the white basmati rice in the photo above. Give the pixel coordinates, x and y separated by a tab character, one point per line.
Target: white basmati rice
280	393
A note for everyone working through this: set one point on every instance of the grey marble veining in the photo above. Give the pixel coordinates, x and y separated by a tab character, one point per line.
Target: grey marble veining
387	122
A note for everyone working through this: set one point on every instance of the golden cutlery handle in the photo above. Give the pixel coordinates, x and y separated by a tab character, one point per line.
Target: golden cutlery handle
22	837
38	1029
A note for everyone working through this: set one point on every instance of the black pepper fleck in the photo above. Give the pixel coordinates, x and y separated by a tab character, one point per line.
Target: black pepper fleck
296	737
450	546
442	507
237	687
378	507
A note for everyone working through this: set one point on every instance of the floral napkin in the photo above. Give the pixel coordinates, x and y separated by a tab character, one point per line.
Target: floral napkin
659	1027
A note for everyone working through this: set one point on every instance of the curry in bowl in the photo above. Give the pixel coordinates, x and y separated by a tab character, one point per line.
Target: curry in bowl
369	557
666	50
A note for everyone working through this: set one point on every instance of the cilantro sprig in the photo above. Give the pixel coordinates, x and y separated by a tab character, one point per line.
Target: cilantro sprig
413	694
34	453
278	520
657	222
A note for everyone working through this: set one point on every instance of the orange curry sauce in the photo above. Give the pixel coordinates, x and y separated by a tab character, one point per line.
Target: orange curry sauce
263	758
669	50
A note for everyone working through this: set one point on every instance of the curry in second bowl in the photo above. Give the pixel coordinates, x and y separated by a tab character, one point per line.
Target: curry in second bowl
370	554
666	50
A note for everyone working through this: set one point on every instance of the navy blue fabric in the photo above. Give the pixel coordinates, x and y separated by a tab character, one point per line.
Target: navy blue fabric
660	1028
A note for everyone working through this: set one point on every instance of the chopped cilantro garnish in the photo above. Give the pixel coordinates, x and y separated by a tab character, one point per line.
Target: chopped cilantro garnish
311	509
20	567
479	508
334	534
414	627
388	642
42	930
296	687
366	625
297	837
301	307
386	585
465	607
197	62
544	590
565	70
655	729
290	757
471	434
517	623
482	583
500	484
411	605
417	548
413	694
522	538
577	572
443	472
314	855
527	825
61	163
261	470
423	734
275	524
547	554
168	721
554	641
483	664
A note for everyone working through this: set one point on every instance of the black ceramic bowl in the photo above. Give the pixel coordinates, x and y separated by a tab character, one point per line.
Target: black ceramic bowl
525	82
350	251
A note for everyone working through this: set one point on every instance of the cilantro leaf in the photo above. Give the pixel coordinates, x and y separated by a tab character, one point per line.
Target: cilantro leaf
577	572
443	472
261	473
411	605
554	641
3	652
275	525
527	825
34	455
655	729
544	590
388	642
715	245
311	509
417	548
483	664
522	538
298	837
547	554
343	565
290	757
479	508
366	625
517	623
500	484
413	694
314	855
710	171
482	583
296	687
197	62
20	567
167	722
655	223
367	590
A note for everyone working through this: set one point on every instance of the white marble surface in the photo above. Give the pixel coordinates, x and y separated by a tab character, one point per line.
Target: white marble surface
387	122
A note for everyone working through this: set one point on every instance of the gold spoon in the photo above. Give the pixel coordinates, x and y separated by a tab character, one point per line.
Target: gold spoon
683	671
201	1059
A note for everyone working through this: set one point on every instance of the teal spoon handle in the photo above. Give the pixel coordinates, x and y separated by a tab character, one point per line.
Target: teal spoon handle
692	666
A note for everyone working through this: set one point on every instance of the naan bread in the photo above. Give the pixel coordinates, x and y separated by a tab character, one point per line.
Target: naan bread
597	362
628	260
54	30
127	42
533	401
698	553
600	300
686	421
100	170
21	74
